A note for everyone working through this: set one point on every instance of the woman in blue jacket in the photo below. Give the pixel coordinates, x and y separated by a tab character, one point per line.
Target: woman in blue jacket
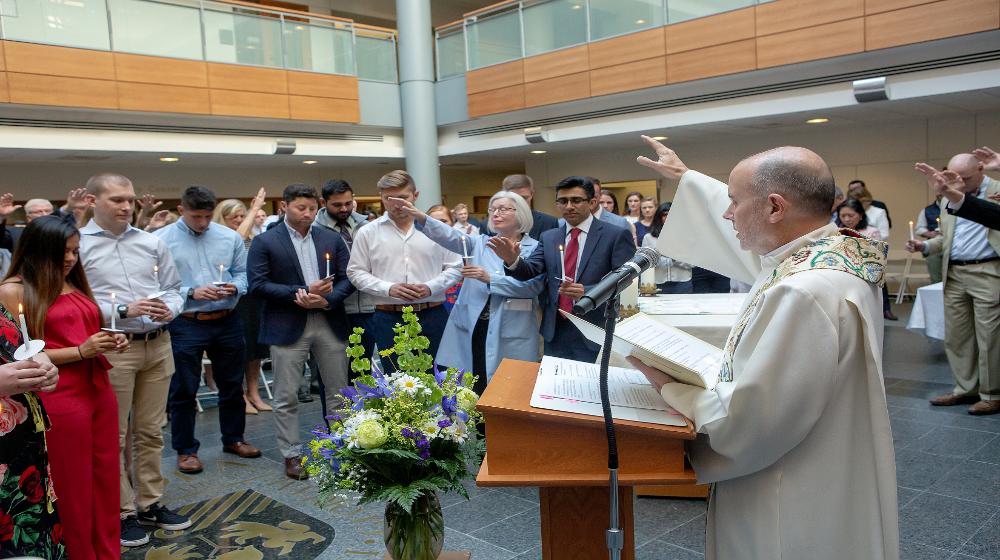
496	316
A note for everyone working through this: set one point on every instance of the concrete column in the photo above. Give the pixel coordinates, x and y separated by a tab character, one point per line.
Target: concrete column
416	83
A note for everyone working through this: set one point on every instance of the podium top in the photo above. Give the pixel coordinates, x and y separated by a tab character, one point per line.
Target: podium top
509	394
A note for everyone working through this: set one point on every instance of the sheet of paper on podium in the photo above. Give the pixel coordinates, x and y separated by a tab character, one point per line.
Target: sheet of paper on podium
572	386
686	358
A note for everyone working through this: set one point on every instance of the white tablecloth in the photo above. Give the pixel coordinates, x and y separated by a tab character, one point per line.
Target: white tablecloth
709	317
928	311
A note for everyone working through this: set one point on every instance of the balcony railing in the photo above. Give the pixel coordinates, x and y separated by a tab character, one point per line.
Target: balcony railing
518	29
224	31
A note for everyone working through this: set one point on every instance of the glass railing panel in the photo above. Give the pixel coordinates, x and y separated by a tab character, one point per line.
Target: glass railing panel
554	25
494	39
156	28
318	48
80	23
376	57
616	17
683	10
450	54
237	38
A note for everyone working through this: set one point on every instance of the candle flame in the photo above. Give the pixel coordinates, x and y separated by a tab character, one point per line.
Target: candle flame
328	256
156	268
20	309
560	247
911	222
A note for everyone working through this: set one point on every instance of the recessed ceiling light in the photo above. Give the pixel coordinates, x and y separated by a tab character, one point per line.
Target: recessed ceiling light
640	21
538	151
169	159
576	7
661	138
819	120
310	161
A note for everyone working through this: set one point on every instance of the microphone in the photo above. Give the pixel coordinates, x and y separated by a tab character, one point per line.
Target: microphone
617	280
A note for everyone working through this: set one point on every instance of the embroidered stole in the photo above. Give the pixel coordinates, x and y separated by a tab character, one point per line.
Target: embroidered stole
848	252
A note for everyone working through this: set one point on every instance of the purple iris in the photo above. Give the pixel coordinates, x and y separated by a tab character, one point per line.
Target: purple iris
439	376
444	423
449	405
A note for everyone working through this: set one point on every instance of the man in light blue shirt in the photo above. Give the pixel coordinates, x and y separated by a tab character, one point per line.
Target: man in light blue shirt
212	262
135	283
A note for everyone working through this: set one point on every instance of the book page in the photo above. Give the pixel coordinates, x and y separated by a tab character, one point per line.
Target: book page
573	386
672	345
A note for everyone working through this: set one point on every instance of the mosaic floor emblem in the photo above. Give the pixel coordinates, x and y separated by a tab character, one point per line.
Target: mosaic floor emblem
240	526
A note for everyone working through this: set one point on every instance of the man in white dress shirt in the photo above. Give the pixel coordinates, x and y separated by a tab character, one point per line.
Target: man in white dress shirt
795	434
399	266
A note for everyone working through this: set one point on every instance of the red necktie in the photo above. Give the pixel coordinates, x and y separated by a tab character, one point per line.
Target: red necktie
572	248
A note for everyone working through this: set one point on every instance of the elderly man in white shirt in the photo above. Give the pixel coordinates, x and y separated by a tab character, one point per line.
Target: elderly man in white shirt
399	266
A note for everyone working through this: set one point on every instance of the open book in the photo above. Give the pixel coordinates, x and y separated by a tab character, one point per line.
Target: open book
686	358
572	386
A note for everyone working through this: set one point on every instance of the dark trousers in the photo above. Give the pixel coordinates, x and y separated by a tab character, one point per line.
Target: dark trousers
222	340
686	287
707	282
479	361
568	342
432	321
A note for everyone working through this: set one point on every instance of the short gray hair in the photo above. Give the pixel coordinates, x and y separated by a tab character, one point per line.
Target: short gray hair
521	211
813	188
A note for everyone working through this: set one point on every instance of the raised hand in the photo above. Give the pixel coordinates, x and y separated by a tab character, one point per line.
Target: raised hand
417	213
7	206
946	183
158	220
505	248
148	203
667	162
257	203
76	199
988	157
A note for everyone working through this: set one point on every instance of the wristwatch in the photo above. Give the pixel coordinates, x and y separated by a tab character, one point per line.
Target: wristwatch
122	310
190	293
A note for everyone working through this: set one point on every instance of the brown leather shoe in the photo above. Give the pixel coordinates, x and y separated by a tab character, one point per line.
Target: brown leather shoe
294	468
951	399
189	464
982	408
243	449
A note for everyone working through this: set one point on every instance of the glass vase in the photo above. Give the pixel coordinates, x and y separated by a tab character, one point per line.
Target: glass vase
416	535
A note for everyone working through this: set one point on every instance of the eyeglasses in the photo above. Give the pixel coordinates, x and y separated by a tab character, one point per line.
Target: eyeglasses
575	201
501	210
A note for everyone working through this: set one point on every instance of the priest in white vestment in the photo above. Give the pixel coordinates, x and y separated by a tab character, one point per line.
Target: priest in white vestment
795	436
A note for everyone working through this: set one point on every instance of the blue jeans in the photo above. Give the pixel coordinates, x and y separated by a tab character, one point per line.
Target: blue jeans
222	340
432	321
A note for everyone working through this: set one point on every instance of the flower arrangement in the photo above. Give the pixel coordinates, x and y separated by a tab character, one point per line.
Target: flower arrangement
402	435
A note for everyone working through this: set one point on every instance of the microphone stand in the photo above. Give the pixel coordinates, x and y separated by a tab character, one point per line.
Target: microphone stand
614	535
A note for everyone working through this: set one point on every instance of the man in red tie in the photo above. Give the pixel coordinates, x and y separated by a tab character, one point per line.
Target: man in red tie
584	249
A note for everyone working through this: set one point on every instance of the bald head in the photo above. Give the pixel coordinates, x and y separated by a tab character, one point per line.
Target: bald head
797	174
969	168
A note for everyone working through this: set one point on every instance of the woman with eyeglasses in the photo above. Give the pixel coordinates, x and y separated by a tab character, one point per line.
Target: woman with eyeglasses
496	316
671	277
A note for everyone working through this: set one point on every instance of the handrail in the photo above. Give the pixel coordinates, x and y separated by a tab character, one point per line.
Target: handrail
387	30
277	10
491	8
456	23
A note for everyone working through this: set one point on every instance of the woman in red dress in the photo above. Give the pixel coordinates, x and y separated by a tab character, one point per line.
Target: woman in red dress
45	274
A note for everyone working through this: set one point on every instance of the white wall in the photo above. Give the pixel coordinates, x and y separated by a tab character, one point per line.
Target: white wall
881	154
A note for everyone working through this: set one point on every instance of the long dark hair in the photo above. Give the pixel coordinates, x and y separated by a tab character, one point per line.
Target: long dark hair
614	209
38	260
854	204
657	225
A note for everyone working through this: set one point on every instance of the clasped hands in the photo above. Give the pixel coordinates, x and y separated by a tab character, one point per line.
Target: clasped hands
314	296
37	374
214	292
409	292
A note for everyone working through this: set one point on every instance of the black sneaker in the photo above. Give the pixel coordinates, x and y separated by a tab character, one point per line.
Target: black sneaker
132	533
159	516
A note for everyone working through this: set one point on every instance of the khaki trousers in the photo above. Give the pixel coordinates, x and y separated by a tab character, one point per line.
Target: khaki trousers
141	379
971	327
328	350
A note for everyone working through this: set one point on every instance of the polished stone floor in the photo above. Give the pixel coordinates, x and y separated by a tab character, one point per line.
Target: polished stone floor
948	474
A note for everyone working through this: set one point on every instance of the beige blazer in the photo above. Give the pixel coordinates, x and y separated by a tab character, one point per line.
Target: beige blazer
942	243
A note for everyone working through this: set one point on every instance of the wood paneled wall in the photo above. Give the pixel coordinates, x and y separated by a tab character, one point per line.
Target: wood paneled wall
34	74
763	36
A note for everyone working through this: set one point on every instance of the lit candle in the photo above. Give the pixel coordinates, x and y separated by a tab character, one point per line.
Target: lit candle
328	264
156	275
24	325
911	230
113	312
465	250
562	260
221	268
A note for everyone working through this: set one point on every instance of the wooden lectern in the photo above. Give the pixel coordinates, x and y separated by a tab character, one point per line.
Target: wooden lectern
566	456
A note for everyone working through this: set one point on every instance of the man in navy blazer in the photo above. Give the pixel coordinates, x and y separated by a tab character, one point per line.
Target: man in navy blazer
300	272
602	247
